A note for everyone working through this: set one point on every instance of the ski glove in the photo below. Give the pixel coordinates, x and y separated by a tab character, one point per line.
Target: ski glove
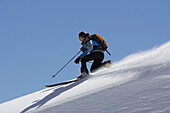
83	49
77	60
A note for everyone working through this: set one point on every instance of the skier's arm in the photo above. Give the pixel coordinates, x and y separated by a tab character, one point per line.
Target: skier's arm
89	49
83	54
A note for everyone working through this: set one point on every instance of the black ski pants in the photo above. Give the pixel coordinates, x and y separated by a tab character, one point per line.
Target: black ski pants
97	58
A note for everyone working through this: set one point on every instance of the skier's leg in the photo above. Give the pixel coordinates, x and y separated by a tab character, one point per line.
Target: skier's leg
108	62
84	67
97	61
85	59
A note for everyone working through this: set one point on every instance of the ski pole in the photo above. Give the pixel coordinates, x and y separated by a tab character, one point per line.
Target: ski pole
65	65
108	52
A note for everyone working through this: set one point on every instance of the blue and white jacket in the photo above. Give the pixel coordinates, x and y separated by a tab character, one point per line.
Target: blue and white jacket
91	46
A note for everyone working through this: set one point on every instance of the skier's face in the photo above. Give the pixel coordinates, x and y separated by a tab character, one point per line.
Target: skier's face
81	39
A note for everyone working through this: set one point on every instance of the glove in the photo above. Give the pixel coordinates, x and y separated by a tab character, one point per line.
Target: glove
83	49
77	60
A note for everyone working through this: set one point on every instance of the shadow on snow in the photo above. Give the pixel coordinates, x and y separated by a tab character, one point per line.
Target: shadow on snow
52	95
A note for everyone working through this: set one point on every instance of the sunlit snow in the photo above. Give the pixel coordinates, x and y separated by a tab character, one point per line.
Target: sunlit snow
140	83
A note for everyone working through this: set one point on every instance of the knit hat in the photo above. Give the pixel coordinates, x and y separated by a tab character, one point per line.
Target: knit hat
82	34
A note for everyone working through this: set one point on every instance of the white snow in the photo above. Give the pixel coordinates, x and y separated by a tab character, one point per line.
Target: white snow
140	83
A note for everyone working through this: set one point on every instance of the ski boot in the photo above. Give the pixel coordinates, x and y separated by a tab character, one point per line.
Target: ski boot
107	63
83	75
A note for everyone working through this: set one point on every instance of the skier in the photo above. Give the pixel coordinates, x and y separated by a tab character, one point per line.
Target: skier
93	48
91	51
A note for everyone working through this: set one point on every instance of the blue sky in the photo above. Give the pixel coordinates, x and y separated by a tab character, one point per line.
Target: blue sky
38	37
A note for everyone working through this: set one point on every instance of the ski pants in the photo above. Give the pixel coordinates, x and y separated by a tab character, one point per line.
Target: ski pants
97	58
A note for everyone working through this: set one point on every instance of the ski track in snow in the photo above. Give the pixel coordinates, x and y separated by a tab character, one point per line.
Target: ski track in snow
140	83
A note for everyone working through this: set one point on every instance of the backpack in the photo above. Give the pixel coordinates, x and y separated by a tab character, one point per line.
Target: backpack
102	43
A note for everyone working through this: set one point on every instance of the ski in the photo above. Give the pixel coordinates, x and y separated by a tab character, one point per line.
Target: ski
67	82
62	83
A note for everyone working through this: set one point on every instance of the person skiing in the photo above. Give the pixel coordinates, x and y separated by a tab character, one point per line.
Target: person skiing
91	51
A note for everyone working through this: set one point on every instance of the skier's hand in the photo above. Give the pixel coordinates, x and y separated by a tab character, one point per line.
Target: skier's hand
83	49
77	60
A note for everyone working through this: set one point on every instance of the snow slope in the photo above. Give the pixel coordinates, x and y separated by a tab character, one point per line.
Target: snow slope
140	83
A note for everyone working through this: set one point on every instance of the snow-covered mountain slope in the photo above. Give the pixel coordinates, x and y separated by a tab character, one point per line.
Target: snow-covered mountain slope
140	83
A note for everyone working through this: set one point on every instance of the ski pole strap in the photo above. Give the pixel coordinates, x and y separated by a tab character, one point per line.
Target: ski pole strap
108	52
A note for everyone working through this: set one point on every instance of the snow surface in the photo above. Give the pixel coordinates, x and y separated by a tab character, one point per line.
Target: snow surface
140	83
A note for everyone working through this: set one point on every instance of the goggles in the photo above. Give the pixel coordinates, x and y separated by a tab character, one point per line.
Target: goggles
82	36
